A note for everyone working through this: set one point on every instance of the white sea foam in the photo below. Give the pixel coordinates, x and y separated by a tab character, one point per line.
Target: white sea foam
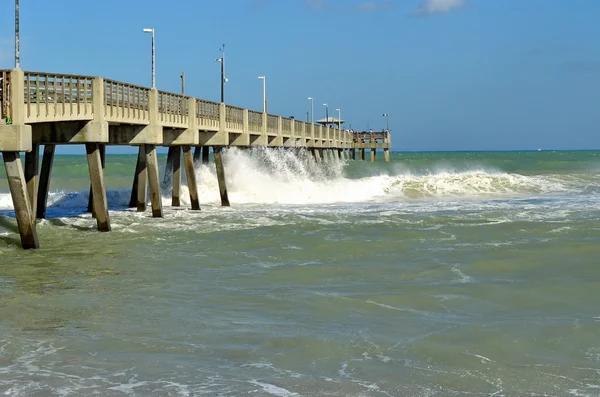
286	177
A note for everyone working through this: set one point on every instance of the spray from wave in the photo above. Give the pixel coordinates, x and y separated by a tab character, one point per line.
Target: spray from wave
265	176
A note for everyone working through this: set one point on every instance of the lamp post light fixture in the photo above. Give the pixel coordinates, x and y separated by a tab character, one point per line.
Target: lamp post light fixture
312	109
339	118
223	78
151	30
264	79
387	122
326	113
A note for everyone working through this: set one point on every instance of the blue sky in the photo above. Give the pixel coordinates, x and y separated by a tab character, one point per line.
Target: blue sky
452	74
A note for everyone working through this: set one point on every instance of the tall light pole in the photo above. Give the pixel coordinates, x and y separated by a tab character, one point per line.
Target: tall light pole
326	113
223	78
182	83
151	30
387	122
17	43
264	79
339	118
312	109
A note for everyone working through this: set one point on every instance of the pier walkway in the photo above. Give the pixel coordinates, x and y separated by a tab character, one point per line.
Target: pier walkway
53	109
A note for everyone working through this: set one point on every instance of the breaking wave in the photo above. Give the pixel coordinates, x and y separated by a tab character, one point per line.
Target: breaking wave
287	177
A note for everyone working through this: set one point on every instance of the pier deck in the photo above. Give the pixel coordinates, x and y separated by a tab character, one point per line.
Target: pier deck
56	109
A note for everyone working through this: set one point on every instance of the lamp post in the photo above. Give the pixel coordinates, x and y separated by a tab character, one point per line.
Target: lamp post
17	43
312	109
387	122
326	113
223	78
151	30
264	79
339	118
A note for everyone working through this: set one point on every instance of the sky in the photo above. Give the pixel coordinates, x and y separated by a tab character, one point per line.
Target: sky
451	74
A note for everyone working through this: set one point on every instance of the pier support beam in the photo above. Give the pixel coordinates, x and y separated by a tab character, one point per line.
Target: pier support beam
373	153
19	194
317	155
152	171
386	155
361	154
44	186
140	169
91	195
217	150
190	173
32	160
100	204
197	153
205	154
173	173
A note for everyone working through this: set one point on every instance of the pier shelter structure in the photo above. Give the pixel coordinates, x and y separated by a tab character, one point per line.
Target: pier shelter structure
57	109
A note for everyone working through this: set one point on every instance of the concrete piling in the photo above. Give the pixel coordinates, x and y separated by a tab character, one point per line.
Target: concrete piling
141	161
44	185
32	160
176	177
217	150
20	198
100	204
190	173
152	172
91	194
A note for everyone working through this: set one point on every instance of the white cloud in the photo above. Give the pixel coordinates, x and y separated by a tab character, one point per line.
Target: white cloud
429	7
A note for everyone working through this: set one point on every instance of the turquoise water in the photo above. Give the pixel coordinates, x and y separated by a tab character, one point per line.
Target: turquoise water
437	274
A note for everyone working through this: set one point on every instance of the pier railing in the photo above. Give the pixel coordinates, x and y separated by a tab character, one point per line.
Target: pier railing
51	97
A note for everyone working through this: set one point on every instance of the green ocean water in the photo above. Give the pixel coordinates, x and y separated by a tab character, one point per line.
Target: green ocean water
437	274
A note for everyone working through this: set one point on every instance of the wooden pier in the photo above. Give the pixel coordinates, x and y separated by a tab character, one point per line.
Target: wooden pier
53	109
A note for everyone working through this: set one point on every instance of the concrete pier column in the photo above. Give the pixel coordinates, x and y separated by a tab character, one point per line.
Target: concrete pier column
100	203
176	177
140	168
32	160
386	155
152	171
205	154
190	173
197	153
217	150
168	167
352	154
20	198
317	155
42	199
373	153
91	194
361	154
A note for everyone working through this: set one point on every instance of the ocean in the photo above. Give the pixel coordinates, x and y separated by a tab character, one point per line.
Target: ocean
437	274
